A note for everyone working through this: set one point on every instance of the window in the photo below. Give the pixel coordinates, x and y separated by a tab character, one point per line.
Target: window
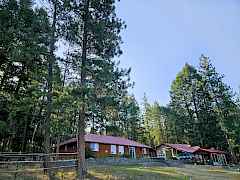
121	149
113	149
132	152
144	151
94	146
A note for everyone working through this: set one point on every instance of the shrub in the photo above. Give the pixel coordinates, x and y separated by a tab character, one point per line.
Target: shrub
89	153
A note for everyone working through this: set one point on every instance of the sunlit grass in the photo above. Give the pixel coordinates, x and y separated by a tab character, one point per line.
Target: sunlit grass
138	172
223	171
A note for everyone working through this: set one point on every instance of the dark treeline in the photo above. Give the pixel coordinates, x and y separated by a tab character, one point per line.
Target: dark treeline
203	111
25	52
45	97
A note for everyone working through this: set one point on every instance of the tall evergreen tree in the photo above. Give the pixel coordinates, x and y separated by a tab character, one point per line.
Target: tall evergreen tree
95	32
184	102
222	102
202	101
23	44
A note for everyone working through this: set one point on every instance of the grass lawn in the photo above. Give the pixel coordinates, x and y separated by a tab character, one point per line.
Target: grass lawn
163	173
138	172
135	172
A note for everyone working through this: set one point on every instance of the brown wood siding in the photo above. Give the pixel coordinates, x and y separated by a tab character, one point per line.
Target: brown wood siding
126	150
68	148
105	150
138	152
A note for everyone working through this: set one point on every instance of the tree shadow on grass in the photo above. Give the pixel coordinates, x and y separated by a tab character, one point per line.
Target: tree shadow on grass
131	173
92	177
105	173
20	176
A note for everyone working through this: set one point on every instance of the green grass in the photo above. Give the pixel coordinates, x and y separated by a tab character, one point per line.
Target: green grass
137	172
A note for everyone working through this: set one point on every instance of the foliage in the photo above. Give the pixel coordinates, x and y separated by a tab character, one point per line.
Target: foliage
23	44
89	153
26	34
44	96
202	111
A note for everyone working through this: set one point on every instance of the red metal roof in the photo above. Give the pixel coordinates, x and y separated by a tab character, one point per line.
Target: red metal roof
183	147
212	151
190	149
107	140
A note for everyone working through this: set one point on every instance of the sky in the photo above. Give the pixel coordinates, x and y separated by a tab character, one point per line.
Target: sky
162	35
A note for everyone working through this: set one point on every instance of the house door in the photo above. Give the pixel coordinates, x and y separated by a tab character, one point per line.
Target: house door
132	152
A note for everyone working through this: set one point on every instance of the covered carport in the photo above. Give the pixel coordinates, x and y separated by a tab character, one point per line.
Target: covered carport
211	156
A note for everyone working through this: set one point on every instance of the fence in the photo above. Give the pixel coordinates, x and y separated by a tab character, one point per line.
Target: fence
17	166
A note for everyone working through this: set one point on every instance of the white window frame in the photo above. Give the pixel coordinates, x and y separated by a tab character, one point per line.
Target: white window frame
144	151
132	152
94	147
121	150
113	149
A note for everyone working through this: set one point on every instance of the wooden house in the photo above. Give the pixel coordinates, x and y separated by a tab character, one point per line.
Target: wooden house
105	146
175	151
211	156
194	153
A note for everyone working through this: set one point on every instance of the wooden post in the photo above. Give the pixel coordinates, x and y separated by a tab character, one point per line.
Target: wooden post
225	160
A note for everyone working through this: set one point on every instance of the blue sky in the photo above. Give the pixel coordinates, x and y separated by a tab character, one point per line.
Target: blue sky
162	35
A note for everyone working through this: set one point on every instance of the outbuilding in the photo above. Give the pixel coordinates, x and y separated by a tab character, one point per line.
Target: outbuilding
211	156
176	151
194	153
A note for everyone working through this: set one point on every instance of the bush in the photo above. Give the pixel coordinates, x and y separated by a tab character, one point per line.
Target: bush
89	153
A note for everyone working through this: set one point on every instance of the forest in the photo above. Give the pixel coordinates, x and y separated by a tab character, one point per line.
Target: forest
203	111
60	77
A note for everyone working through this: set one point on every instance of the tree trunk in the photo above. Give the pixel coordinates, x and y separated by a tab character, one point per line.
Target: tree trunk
19	83
221	123
24	139
93	130
222	126
4	77
4	143
82	170
37	124
191	119
58	146
33	136
47	143
59	111
197	122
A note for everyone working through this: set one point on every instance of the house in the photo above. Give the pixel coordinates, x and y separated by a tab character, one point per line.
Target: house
175	151
195	153
104	146
211	156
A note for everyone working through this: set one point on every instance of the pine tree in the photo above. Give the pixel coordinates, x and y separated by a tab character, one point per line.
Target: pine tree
23	44
95	31
184	102
202	102
222	103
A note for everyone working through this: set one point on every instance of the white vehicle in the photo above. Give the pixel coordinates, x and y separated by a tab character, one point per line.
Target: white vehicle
185	156
162	156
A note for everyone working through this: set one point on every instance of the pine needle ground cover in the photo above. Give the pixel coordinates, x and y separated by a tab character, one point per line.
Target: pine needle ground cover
137	172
